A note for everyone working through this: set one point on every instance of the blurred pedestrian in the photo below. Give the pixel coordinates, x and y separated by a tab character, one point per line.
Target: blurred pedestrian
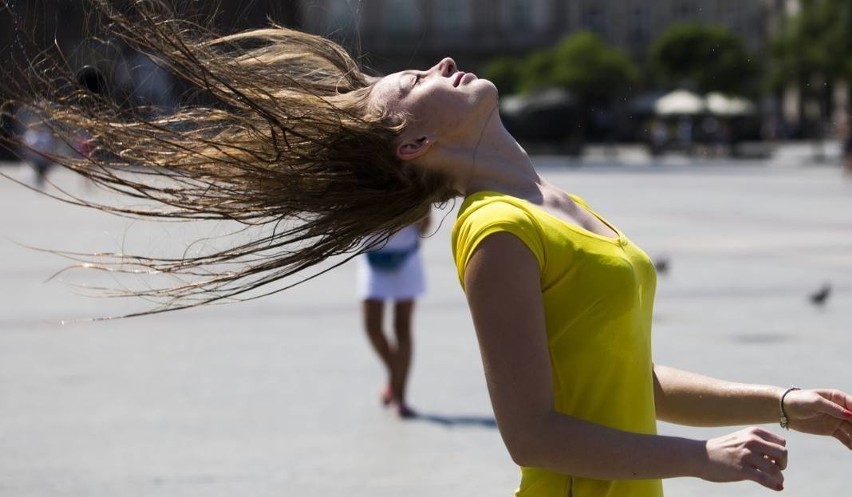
303	141
393	272
39	145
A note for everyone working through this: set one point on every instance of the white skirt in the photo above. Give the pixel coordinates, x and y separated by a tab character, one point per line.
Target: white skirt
405	283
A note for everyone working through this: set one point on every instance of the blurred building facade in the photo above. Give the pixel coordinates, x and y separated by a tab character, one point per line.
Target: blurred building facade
399	33
396	34
34	25
414	33
29	27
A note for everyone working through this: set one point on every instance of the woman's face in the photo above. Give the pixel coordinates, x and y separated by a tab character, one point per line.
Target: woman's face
441	101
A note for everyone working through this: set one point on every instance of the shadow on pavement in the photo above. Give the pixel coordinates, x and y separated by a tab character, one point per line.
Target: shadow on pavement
451	421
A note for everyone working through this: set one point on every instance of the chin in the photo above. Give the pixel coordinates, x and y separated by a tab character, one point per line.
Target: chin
490	91
485	88
488	84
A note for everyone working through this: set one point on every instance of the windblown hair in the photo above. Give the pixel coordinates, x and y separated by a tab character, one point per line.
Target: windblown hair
288	141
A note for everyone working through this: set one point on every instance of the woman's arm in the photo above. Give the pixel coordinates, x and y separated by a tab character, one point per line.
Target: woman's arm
691	399
503	291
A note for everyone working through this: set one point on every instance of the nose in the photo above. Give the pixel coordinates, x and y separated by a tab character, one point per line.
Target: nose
446	67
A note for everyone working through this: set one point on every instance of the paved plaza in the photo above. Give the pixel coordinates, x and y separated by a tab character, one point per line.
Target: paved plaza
279	396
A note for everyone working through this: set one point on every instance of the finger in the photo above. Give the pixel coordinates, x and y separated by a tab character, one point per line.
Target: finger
843	399
766	465
779	458
844	435
773	482
770	445
834	409
776	454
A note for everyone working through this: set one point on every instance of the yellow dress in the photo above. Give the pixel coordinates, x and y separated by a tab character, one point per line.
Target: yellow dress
598	302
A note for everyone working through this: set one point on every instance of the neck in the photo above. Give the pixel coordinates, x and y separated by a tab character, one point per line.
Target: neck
492	160
502	165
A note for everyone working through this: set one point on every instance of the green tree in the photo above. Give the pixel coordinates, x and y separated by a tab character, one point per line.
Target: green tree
583	64
537	70
704	57
592	71
813	51
590	68
505	73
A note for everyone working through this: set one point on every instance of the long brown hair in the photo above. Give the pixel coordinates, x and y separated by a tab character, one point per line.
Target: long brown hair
288	141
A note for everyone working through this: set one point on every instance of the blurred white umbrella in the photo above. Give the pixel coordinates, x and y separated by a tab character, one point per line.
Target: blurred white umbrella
722	105
679	103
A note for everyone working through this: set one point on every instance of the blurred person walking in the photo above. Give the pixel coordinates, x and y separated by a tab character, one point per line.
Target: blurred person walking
393	272
39	144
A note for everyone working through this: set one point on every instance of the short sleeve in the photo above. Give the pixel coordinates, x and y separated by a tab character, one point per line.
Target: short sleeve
477	222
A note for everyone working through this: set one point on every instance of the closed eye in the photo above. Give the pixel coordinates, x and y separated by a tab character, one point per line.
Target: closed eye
416	80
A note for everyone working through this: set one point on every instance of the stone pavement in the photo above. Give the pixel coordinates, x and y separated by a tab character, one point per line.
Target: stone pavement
279	396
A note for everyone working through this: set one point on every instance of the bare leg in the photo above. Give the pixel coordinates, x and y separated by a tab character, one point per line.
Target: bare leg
403	311
41	166
373	311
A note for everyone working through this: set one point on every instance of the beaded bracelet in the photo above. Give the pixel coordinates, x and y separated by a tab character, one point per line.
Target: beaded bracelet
784	422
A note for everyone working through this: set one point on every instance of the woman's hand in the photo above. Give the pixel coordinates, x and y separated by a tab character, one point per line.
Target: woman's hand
750	454
820	412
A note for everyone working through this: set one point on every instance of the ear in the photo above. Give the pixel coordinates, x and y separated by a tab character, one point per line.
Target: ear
413	148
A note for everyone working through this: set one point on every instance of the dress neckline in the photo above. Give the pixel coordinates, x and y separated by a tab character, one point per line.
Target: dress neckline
619	239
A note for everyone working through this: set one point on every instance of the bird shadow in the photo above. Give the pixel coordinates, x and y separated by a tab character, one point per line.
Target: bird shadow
451	421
